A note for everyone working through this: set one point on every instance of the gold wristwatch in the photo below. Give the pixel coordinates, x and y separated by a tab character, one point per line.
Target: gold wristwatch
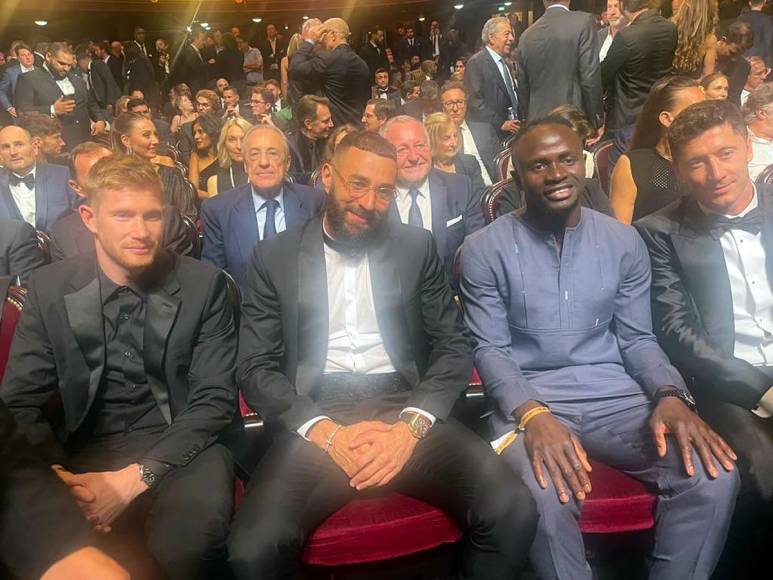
418	424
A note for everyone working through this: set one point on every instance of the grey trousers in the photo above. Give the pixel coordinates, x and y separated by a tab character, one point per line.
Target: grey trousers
693	513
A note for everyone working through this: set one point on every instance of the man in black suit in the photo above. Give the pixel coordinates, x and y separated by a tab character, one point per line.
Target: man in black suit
235	221
55	90
374	53
140	345
19	250
190	67
640	54
411	46
762	31
315	121
34	192
343	76
273	50
712	291
70	236
558	64
490	87
730	60
42	532
443	203
114	62
363	401
98	78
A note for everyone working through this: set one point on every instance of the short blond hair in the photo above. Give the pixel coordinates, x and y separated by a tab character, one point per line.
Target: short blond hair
120	173
436	124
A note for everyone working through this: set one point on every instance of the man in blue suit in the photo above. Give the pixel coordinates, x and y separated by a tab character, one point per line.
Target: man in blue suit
443	203
34	192
25	63
235	221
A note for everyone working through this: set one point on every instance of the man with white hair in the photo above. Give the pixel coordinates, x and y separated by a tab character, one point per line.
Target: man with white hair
616	23
490	85
299	84
342	76
758	114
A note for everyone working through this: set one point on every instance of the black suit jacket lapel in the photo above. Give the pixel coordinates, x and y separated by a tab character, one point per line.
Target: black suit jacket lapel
313	314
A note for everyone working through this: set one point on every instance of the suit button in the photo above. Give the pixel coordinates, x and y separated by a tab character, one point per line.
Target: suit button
124	316
127	354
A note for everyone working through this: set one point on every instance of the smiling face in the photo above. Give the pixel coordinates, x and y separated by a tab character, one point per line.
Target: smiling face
142	139
414	159
501	40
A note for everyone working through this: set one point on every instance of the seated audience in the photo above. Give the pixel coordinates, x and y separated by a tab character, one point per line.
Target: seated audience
427	103
70	236
376	113
582	127
643	180
382	89
185	113
459	65
229	157
262	109
336	136
34	192
715	86
444	144
170	108
235	221
443	203
426	72
19	252
758	73
231	107
122	105
140	346
315	121
281	107
134	134
46	132
374	421
163	129
711	297
557	301
758	114
203	163
409	91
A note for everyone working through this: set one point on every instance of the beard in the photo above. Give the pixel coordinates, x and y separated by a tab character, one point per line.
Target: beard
346	233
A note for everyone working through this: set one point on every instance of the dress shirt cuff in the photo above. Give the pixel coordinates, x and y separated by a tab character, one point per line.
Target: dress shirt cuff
429	416
53	111
765	405
304	429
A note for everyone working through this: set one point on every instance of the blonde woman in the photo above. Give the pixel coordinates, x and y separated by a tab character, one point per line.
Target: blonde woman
284	65
696	24
444	140
229	157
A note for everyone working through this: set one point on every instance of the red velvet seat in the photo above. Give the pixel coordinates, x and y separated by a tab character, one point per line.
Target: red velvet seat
618	503
12	305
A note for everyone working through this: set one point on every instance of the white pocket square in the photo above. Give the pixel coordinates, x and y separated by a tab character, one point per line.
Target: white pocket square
456	220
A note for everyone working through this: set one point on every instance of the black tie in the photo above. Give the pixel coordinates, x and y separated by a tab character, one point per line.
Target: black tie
269	228
751	222
28	180
414	213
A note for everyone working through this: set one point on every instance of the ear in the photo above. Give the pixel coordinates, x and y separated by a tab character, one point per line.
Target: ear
327	177
88	215
37	142
125	140
665	118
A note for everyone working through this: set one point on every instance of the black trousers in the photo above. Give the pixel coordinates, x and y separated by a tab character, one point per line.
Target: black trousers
183	522
751	530
297	486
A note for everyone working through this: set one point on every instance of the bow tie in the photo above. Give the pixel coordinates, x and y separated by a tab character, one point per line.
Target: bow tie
383	91
28	180
751	222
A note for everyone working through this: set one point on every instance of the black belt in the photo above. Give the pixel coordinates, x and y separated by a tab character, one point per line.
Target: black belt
341	387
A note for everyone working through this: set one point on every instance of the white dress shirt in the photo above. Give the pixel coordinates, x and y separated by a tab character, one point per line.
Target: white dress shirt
605	46
468	143
260	212
504	70
762	154
65	85
24	198
24	69
423	200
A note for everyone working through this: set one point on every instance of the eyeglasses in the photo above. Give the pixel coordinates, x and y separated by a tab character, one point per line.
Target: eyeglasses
454	104
358	188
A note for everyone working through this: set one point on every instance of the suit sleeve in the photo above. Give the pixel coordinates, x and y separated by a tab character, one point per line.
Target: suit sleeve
5	91
590	74
474	80
261	349
524	91
24	256
40	523
176	236
306	66
112	91
95	112
617	56
214	248
211	385
680	332
25	96
473	214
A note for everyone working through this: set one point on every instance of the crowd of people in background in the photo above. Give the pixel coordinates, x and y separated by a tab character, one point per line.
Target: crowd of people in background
293	170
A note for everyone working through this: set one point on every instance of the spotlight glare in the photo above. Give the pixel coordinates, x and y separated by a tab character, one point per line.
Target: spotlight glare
458	6
41	22
257	20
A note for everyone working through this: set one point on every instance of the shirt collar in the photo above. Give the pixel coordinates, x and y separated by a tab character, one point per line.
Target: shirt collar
761	140
258	200
24	69
402	193
108	289
557	6
494	55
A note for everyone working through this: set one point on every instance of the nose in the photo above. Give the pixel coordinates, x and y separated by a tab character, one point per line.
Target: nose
140	230
716	173
556	172
368	201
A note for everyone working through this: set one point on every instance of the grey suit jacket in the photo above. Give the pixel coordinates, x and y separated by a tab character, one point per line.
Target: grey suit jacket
558	64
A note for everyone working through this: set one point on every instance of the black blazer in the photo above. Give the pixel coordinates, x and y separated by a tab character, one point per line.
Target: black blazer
405	51
692	307
53	197
141	76
467	165
374	57
640	54
37	90
284	324
19	251
271	58
106	90
487	96
190	68
115	64
190	340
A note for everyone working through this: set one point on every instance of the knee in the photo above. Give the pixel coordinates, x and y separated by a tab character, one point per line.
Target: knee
257	547
508	510
194	537
722	490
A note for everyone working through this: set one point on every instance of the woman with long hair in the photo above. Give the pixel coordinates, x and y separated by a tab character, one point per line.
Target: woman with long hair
203	161
643	180
229	157
134	134
696	24
444	142
715	86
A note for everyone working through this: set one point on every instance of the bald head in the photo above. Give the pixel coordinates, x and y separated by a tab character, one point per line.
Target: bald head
17	151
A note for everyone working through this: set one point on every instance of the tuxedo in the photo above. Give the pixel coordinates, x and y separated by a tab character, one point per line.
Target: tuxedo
115	64
375	57
102	84
37	90
19	250
408	48
305	154
52	195
376	92
284	344
231	229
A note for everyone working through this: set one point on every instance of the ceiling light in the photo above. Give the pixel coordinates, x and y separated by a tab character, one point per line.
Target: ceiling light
508	3
501	8
422	18
287	27
257	20
458	6
41	22
305	18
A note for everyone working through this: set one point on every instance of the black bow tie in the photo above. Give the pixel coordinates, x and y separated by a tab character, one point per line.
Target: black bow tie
28	180
751	222
383	91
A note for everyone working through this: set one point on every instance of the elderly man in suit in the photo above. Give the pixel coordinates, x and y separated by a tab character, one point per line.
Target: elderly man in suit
54	90
442	203
235	221
25	62
140	345
558	64
34	192
98	78
490	86
712	291
351	343
607	34
19	251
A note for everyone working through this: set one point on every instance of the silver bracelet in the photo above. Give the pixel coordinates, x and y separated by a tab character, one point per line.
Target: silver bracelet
329	440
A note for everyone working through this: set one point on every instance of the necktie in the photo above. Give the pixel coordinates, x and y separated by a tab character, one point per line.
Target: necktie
751	222
269	228
414	214
28	180
508	83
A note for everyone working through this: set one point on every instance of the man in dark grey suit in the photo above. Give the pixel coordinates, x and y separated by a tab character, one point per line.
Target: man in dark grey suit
19	250
352	345
558	64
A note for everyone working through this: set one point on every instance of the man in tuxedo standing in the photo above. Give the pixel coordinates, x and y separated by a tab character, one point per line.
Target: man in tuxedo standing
54	90
235	221
352	344
98	78
374	53
146	48
712	305
190	67
140	346
411	46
